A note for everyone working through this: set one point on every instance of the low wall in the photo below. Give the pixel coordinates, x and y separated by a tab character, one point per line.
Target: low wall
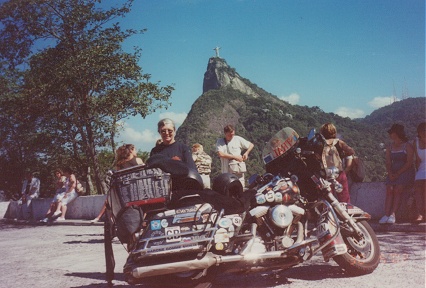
368	196
84	207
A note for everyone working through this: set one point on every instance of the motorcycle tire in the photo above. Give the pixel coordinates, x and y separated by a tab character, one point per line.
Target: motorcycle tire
363	254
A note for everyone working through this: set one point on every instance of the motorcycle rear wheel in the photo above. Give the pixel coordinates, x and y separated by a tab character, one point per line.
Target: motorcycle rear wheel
363	254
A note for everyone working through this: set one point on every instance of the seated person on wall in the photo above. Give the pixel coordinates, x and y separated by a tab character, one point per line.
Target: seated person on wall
60	181
69	195
30	190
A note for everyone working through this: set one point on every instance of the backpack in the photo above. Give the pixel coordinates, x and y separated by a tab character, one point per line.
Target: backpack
357	172
79	188
330	155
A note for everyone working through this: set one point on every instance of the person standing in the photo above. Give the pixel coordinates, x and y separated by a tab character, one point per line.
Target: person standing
30	190
203	161
229	150
169	147
333	157
420	178
400	169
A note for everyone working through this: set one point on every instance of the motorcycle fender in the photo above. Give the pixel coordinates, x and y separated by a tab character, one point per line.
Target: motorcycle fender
356	212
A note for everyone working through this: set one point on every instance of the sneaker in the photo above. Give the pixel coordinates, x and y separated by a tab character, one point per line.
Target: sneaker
60	219
391	219
95	220
57	213
384	220
419	219
44	220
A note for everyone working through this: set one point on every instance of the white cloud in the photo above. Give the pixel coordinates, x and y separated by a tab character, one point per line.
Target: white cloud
178	118
293	98
350	112
146	136
143	140
378	102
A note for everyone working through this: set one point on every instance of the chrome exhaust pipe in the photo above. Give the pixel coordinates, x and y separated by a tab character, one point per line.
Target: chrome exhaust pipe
207	261
175	267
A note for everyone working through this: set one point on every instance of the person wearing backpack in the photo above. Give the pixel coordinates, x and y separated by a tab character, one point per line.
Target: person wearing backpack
334	151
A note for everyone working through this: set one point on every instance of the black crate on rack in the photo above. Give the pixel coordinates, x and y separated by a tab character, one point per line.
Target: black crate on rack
139	185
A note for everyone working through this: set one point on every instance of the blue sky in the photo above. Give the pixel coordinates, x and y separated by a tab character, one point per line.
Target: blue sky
347	57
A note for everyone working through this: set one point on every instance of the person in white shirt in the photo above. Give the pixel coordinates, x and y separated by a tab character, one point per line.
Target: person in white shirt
230	149
30	190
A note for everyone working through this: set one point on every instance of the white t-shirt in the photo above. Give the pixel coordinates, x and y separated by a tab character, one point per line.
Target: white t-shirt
235	146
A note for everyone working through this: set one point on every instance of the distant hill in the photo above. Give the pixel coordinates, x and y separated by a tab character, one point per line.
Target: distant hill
408	112
229	98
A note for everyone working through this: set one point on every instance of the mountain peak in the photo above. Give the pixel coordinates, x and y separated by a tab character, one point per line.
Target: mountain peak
219	75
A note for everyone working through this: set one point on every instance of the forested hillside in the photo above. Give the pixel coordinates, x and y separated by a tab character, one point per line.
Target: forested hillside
409	112
257	119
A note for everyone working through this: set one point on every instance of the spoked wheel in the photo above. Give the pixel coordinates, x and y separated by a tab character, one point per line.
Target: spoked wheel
109	252
363	254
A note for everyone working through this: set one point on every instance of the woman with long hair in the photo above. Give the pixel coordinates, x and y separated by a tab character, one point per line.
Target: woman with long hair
125	157
400	169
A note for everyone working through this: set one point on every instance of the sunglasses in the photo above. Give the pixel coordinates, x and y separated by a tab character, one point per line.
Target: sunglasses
166	131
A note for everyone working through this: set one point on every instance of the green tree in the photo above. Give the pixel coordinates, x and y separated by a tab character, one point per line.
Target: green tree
72	80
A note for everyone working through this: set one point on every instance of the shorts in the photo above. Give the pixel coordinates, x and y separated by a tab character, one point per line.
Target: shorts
70	197
58	196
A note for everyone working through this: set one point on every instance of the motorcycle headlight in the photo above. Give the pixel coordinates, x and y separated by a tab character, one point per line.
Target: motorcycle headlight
332	172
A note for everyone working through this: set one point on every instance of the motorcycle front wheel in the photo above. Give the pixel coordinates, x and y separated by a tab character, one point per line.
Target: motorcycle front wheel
363	254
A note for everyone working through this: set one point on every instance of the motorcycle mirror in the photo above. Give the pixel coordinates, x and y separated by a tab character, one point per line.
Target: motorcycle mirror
311	134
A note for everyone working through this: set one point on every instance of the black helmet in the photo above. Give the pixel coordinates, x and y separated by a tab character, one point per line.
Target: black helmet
228	184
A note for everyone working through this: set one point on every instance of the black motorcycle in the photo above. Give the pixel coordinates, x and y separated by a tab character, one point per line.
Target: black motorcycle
176	231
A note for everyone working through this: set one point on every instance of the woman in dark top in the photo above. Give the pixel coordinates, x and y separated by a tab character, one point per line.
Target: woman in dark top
168	145
400	169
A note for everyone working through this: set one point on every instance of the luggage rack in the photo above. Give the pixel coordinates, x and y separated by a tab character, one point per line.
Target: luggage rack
139	186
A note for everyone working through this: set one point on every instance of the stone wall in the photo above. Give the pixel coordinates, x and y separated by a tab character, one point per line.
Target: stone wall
368	196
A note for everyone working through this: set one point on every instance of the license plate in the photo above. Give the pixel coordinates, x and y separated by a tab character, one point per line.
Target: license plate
172	234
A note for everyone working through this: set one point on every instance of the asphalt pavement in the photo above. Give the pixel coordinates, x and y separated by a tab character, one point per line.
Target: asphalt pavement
397	227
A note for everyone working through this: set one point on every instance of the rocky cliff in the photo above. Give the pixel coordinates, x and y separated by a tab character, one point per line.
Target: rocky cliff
220	75
256	114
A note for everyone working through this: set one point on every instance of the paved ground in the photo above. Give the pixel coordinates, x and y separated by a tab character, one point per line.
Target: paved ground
70	254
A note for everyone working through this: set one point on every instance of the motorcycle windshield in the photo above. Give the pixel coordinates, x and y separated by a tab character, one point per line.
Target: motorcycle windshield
279	144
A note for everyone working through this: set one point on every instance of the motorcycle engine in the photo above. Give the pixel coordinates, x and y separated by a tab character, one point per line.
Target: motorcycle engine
281	216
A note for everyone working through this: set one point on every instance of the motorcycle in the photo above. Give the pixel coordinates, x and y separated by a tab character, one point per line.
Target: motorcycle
284	218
